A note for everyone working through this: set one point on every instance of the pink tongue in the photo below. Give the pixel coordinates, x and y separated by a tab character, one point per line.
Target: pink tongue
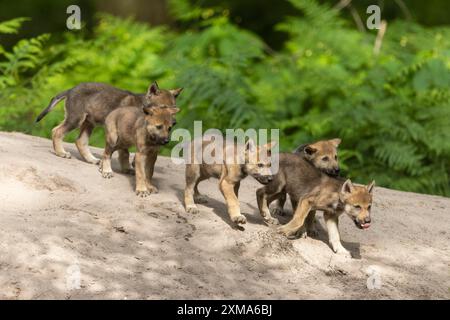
365	225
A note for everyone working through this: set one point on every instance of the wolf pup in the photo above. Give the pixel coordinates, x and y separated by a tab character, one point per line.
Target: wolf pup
322	155
310	190
254	161
147	129
87	106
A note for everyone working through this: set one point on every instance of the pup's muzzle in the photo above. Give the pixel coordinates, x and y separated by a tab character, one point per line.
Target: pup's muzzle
263	179
362	224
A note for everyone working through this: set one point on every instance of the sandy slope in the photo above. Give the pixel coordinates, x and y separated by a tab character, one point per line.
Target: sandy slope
58	215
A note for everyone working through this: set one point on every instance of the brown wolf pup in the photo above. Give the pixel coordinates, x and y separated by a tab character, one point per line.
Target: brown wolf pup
322	155
87	106
147	129
254	161
310	190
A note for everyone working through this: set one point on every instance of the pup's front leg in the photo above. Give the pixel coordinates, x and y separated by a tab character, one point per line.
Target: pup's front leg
332	223
141	185
105	164
149	169
279	204
227	189
262	199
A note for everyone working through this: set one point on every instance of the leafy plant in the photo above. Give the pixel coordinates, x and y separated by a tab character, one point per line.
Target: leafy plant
392	110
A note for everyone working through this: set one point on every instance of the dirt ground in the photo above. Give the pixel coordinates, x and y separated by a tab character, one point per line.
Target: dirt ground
60	219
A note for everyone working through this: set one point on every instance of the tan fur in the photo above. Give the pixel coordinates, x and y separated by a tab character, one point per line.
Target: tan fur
322	155
257	164
310	190
147	129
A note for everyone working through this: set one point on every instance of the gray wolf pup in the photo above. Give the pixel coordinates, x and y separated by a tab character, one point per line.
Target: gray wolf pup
147	129
87	106
310	190
256	162
322	155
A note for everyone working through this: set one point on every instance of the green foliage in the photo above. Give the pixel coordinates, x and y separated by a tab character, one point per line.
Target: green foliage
391	110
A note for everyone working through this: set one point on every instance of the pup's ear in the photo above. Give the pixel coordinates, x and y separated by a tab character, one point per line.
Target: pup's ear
336	142
347	187
173	110
250	146
176	92
370	186
148	111
309	151
153	89
270	145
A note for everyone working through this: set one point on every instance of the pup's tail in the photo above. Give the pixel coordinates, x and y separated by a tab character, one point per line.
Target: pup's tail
52	104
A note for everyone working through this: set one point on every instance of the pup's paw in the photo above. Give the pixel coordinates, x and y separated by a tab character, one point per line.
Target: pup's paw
277	211
301	233
107	174
271	220
142	193
341	251
152	189
93	160
129	171
240	219
312	232
288	232
66	155
200	199
192	209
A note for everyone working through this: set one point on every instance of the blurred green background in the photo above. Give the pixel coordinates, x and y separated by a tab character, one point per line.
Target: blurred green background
307	67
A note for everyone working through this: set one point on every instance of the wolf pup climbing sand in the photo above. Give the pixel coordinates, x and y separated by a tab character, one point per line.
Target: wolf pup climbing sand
322	155
87	106
147	129
254	161
310	190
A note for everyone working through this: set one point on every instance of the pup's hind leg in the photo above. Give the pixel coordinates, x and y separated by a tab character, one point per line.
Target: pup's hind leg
310	223
58	134
192	179
82	142
105	164
124	160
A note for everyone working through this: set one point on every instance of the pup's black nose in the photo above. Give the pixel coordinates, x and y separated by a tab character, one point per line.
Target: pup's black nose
336	171
367	220
269	178
166	140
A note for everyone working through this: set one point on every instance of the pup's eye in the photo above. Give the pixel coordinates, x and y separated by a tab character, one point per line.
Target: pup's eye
369	207
170	128
260	165
325	159
357	207
335	157
159	127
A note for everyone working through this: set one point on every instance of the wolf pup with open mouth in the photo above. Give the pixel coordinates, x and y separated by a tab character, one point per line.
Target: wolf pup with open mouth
322	155
310	190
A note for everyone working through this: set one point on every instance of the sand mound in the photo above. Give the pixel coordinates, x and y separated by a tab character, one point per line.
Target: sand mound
60	218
